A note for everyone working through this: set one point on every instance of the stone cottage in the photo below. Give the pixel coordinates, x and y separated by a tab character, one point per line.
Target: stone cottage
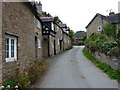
66	37
48	32
20	37
97	23
58	38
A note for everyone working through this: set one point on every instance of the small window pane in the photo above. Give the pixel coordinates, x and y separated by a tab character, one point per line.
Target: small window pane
7	47
12	47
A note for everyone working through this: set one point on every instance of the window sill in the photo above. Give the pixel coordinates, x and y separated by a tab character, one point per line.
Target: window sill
10	59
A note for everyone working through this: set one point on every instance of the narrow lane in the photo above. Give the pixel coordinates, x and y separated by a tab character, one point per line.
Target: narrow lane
71	69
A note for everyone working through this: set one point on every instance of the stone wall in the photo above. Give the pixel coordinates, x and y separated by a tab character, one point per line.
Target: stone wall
0	42
67	41
48	45
19	20
38	34
51	45
45	46
58	39
112	61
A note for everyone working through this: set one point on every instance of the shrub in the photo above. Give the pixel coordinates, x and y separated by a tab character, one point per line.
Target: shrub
110	30
28	75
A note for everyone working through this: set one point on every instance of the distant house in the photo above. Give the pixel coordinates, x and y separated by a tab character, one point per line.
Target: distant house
77	36
20	43
97	23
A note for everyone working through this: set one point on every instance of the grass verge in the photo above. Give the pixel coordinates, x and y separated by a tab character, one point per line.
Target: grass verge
113	74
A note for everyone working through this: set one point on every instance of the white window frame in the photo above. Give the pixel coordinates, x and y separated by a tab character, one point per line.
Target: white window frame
10	58
52	25
39	43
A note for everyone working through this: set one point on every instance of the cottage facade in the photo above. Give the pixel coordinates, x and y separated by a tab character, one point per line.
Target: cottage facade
59	38
26	37
20	39
97	23
66	37
48	32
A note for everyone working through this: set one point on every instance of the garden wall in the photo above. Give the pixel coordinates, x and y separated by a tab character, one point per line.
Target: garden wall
112	61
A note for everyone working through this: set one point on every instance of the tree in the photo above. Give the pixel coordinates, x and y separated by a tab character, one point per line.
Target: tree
71	33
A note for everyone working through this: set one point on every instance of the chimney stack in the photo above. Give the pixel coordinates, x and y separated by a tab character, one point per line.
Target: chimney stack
111	13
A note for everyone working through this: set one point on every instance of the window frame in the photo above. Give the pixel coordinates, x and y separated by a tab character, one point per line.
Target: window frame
39	43
99	28
52	25
10	57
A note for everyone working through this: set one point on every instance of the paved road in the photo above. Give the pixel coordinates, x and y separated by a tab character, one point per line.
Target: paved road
72	70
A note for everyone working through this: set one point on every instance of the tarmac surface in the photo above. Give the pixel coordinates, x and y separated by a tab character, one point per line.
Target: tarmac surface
71	69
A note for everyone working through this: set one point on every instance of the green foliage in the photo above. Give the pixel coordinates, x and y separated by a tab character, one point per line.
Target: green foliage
110	30
71	33
113	74
12	84
92	38
101	42
79	31
104	43
83	38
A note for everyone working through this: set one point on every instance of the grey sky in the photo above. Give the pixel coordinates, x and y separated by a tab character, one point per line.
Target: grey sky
78	13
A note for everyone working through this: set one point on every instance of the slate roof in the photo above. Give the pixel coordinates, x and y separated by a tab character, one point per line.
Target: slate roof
47	19
113	19
76	35
63	25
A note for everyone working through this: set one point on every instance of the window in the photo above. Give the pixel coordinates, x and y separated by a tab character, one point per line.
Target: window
100	28
39	43
52	26
11	48
38	24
